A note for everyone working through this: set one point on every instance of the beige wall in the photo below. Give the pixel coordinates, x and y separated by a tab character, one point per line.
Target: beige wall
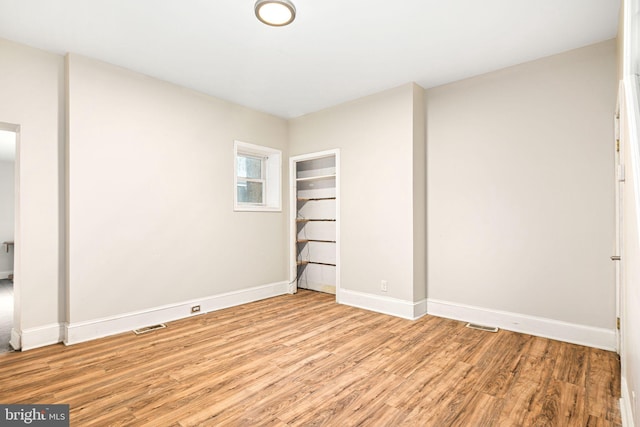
519	172
620	41
151	218
32	88
520	194
419	196
375	136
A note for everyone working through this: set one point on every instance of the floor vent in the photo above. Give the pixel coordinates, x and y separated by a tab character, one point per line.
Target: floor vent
482	327
149	329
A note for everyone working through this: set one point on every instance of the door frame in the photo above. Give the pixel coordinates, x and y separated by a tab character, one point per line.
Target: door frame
619	172
293	267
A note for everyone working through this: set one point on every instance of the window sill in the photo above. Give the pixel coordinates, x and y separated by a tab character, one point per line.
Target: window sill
256	209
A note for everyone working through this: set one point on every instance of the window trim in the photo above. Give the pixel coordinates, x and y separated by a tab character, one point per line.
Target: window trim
271	177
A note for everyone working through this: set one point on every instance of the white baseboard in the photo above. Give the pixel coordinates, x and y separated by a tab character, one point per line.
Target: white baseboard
15	340
386	305
37	337
539	326
5	274
98	328
626	413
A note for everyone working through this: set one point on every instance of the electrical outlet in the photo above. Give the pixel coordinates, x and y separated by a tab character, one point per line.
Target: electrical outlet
195	309
384	287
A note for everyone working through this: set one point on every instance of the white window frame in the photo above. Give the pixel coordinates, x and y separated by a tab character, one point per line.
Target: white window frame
261	179
271	177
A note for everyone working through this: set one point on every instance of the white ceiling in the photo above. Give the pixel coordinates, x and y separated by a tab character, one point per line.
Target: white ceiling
7	146
336	50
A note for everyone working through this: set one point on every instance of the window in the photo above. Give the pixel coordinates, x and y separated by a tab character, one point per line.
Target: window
250	179
257	177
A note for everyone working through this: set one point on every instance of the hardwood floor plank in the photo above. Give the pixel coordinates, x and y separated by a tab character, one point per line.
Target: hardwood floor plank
479	409
366	397
380	415
563	404
571	366
527	392
603	387
322	405
304	360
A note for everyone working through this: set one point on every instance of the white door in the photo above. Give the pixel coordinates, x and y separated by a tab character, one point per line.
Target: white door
618	248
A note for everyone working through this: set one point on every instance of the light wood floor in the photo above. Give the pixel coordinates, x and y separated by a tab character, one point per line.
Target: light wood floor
304	360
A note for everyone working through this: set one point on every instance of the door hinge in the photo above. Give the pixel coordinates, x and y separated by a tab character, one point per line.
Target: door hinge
618	323
617	145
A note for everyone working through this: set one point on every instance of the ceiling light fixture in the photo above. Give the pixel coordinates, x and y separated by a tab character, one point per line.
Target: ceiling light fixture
276	13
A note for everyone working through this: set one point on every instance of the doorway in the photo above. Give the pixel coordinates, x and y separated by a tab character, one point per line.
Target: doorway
315	222
8	141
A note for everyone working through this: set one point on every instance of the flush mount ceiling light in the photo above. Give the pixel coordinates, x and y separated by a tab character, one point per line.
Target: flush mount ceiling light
276	13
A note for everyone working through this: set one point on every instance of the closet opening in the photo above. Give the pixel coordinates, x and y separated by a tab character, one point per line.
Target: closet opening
7	234
315	222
